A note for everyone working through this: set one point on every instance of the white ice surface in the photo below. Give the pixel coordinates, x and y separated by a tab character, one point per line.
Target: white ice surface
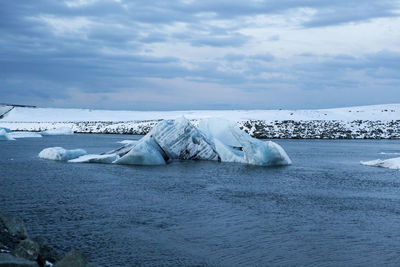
24	135
227	153
145	152
61	154
4	136
93	158
393	163
59	131
221	129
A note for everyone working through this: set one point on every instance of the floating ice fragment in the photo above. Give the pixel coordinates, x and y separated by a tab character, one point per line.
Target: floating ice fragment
6	129
393	163
4	136
24	135
61	154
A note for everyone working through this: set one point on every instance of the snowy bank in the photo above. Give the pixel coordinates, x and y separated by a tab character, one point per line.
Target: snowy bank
61	154
387	112
393	163
365	122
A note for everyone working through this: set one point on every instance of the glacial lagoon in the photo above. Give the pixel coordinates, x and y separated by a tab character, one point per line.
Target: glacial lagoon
325	209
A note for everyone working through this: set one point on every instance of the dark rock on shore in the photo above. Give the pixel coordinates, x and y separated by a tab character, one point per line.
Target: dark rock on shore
27	249
46	253
14	226
17	250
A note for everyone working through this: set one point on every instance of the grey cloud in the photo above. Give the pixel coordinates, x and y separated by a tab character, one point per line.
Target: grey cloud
37	65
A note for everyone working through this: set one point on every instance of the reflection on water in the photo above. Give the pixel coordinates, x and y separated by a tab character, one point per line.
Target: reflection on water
325	209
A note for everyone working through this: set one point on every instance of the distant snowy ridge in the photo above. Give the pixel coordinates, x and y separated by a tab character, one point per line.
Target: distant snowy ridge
387	112
370	122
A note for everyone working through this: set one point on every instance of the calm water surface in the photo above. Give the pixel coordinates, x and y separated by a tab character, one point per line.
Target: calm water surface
324	210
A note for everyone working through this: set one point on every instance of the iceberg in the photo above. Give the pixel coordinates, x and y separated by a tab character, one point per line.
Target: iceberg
59	131
169	140
393	163
93	158
61	154
24	135
4	136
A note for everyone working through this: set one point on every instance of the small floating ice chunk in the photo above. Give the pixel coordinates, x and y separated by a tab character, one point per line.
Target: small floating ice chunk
393	163
389	153
93	158
6	129
4	136
25	135
59	131
145	152
61	154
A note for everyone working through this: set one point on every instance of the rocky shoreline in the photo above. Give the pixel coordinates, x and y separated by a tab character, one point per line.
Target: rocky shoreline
17	249
285	129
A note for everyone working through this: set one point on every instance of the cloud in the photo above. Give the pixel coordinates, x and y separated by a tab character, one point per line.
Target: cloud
210	54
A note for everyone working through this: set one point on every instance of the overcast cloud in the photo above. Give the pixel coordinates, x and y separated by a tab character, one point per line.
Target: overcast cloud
200	54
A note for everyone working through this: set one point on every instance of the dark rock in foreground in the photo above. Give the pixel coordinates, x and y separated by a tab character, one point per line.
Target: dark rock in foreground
14	226
73	259
27	249
17	250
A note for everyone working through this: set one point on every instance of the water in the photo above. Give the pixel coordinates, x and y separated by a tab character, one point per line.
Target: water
324	210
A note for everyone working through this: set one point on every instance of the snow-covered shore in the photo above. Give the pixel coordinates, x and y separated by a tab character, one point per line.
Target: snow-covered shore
375	122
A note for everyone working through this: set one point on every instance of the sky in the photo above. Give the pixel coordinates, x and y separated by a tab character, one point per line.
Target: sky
208	54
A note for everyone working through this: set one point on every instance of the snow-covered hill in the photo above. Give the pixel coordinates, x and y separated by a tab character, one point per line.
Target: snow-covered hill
378	112
379	121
